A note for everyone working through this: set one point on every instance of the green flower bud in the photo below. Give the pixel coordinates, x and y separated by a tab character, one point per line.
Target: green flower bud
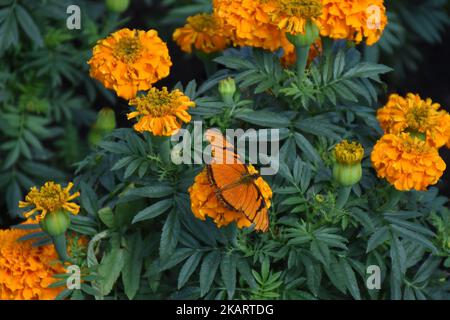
347	169
227	89
106	120
117	6
308	38
56	223
347	174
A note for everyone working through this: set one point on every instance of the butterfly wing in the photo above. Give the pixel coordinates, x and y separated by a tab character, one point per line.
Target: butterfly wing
237	195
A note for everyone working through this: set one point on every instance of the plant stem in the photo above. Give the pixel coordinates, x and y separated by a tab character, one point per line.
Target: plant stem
342	198
302	59
60	244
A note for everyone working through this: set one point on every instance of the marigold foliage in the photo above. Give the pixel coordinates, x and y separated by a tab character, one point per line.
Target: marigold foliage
407	162
129	61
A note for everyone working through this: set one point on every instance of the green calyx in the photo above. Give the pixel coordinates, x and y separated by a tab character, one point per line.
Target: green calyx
347	175
56	223
308	38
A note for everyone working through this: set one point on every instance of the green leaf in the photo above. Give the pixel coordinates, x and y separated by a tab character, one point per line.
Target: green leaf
110	268
228	271
352	284
188	268
169	236
28	25
378	238
264	119
208	271
131	273
307	148
153	211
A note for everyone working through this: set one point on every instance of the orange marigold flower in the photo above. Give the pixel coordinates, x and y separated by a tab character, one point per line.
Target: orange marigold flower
161	112
49	198
204	32
417	116
129	61
292	15
26	271
204	201
407	162
353	20
249	23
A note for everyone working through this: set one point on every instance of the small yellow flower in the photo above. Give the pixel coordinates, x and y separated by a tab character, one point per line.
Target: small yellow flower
129	61
161	112
204	201
416	116
407	162
353	20
48	199
349	152
204	32
26	271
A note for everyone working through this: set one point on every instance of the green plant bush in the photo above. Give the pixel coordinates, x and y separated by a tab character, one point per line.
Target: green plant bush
145	242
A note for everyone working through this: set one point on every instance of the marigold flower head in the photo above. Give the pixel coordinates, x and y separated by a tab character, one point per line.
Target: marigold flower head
26	271
249	23
415	115
204	32
49	198
349	152
353	20
204	201
407	162
129	61
161	112
292	15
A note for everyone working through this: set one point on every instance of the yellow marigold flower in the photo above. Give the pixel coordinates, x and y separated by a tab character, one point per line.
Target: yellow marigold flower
415	115
204	201
292	15
26	271
349	152
353	20
161	112
48	199
204	32
129	61
407	162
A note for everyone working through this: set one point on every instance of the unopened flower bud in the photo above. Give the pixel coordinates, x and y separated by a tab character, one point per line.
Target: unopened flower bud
227	89
118	6
347	169
106	120
56	223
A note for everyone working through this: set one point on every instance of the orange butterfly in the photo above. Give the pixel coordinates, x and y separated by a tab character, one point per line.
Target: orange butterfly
234	184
